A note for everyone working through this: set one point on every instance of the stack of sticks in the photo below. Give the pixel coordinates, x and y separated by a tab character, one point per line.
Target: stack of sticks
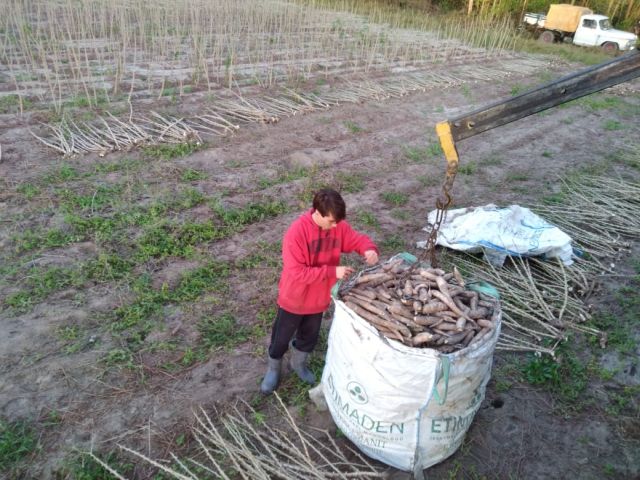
422	307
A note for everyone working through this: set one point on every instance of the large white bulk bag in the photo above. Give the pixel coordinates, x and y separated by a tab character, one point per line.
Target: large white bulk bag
407	407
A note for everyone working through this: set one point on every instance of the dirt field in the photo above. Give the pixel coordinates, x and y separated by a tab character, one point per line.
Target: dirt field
124	305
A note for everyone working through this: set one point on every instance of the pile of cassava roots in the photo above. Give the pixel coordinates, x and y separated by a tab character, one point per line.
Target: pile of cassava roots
421	307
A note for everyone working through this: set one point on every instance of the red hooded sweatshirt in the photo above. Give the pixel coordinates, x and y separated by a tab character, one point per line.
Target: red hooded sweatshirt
310	256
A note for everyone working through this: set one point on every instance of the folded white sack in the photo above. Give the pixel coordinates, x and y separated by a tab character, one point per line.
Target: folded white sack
501	232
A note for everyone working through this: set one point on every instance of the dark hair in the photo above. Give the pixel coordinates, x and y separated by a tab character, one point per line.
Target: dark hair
329	202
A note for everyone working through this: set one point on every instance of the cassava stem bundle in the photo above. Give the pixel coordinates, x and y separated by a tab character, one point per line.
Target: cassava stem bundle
421	307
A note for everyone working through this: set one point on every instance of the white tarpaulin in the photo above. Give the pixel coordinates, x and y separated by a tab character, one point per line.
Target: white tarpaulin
407	407
499	232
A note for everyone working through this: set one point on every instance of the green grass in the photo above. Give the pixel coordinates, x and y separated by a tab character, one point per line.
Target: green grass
28	190
572	53
40	283
353	127
429	180
94	200
11	104
397	199
222	331
191	175
367	219
620	321
180	240
265	318
600	102
171	151
84	101
18	441
251	213
624	401
517	177
81	466
393	244
612	125
63	173
125	164
118	357
567	378
422	154
70	335
283	176
107	267
494	160
468	168
349	182
557	198
257	260
403	215
517	90
149	302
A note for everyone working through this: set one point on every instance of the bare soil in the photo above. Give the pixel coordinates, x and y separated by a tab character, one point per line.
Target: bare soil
520	432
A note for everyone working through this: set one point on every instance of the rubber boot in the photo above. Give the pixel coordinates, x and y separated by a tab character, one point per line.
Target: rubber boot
298	364
272	377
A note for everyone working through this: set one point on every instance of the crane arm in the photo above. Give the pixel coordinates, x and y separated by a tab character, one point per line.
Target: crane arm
565	89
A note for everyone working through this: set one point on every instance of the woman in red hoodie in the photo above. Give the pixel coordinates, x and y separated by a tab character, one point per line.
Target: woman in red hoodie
311	256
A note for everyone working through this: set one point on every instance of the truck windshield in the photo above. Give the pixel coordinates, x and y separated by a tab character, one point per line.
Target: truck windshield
605	24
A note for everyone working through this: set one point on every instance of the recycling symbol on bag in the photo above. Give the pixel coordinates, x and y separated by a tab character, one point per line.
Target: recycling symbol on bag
357	393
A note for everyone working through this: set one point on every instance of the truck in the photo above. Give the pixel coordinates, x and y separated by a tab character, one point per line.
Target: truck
580	26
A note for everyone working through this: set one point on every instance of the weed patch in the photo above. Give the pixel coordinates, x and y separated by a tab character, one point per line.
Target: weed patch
82	466
190	175
468	168
567	377
397	199
14	104
222	332
353	127
40	240
171	151
17	441
349	182
29	190
284	176
393	244
251	213
367	219
171	240
612	125
39	284
422	154
149	301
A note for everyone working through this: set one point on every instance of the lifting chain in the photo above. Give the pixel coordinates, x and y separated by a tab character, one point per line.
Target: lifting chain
443	130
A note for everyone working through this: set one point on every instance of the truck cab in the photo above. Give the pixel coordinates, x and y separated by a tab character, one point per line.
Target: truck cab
596	31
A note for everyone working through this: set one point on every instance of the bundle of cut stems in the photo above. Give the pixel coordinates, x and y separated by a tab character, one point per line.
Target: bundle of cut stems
258	451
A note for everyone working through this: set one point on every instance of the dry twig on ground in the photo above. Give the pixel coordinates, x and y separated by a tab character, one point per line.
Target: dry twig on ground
237	445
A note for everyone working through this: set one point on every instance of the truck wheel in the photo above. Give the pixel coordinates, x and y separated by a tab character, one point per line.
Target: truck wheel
610	47
547	37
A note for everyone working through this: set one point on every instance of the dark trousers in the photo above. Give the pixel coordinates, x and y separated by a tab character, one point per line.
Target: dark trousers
306	329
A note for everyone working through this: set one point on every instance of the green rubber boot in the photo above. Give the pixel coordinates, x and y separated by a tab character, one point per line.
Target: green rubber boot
298	364
272	377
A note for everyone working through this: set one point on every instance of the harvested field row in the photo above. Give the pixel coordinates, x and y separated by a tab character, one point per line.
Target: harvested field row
98	54
231	110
